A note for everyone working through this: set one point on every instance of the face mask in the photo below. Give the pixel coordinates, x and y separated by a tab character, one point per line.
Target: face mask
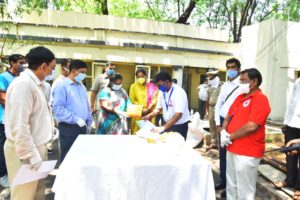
22	68
141	80
214	82
80	77
244	88
116	87
163	88
110	72
232	73
67	70
51	76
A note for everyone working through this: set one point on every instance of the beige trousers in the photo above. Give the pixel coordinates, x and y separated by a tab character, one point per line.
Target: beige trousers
212	126
30	191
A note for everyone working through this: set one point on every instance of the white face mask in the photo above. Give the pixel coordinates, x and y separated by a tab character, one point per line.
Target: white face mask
214	82
51	76
244	88
116	87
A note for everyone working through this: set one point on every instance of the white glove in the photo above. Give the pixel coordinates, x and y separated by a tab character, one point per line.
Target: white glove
158	129
121	113
81	123
225	139
36	166
35	163
88	130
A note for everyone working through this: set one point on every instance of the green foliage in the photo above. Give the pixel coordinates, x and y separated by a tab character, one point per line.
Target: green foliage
288	10
222	14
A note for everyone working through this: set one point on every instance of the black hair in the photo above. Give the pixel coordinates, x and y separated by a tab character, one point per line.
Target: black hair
109	64
39	55
64	62
77	64
15	57
113	78
162	76
253	74
203	77
235	61
140	70
174	80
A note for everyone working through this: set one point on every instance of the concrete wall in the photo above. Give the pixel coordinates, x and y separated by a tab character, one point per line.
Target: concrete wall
126	42
273	47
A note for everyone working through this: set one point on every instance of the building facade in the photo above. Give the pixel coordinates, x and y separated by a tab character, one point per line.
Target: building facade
185	51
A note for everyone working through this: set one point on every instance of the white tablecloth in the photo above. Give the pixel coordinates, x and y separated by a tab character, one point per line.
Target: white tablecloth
129	168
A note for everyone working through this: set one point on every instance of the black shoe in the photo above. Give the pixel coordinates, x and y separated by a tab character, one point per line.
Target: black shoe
223	194
50	151
220	186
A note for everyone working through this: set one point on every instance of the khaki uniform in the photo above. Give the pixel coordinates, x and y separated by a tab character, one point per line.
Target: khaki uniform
213	94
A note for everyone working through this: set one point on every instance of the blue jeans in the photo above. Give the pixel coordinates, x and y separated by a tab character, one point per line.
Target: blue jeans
222	157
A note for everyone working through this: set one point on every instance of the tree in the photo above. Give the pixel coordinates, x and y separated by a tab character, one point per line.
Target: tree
187	13
235	14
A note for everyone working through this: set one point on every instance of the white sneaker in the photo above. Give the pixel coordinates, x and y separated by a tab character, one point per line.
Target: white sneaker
4	181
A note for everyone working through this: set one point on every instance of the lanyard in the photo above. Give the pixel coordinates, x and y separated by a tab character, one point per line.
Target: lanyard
167	103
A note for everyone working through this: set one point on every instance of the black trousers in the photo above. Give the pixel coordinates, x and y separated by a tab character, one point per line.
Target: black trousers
68	133
3	170
293	171
202	108
222	161
180	128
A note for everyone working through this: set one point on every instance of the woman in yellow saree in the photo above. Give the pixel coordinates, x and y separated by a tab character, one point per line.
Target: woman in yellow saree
142	93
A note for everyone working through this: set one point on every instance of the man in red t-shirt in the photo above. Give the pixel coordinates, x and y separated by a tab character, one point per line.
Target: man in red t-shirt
244	135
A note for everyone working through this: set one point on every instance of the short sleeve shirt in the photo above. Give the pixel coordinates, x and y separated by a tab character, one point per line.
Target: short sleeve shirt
254	108
174	101
5	80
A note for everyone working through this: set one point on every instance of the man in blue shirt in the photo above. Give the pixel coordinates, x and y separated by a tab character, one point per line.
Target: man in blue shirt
71	107
16	62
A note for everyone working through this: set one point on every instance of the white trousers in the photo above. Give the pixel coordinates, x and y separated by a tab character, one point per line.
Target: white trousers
241	175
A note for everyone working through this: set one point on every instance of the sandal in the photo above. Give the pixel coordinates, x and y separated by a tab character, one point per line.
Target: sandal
281	184
296	195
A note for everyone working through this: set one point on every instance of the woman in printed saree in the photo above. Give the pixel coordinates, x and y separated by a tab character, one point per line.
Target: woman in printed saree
142	93
114	101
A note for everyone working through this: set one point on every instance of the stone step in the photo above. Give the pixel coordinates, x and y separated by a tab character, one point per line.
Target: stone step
272	174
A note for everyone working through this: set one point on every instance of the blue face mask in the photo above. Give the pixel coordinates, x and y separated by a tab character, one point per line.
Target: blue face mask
232	73
80	77
163	87
110	72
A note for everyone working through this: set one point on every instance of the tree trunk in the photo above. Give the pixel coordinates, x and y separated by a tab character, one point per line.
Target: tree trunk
186	14
234	30
104	7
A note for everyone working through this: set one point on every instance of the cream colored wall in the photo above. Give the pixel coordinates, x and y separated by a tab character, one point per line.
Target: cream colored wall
114	38
129	55
273	47
93	21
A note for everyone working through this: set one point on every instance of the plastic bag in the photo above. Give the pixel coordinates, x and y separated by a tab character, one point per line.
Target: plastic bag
134	110
195	132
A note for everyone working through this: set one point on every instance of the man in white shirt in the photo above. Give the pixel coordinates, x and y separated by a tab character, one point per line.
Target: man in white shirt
228	94
291	131
173	102
202	94
65	64
28	122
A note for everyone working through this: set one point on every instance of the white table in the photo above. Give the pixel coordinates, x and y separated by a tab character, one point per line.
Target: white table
129	168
